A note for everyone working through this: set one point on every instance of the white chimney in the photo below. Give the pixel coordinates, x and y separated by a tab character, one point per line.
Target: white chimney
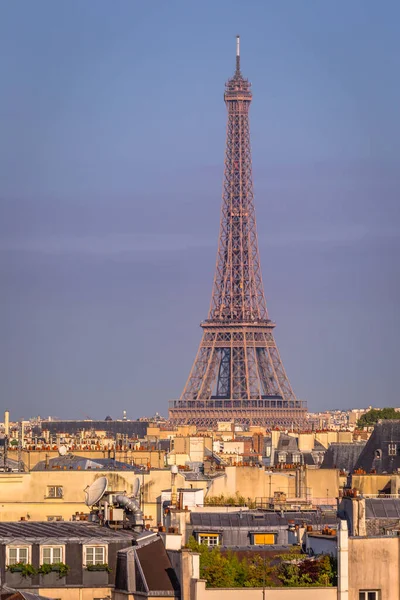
7	423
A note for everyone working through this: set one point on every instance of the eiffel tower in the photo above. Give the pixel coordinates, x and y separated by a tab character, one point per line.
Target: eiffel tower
238	373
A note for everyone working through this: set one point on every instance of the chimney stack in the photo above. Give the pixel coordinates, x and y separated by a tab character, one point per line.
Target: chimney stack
7	423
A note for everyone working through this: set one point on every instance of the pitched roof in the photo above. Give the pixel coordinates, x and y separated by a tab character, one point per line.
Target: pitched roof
382	450
287	443
62	530
342	456
258	520
156	567
73	462
382	508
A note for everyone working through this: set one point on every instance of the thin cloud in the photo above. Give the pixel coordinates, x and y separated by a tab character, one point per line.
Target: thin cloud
104	245
113	245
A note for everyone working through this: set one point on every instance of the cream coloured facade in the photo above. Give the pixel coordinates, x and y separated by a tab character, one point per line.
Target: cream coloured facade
253	482
76	593
27	496
40	495
200	592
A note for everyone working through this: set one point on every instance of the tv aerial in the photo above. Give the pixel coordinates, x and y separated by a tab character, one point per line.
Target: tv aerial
95	491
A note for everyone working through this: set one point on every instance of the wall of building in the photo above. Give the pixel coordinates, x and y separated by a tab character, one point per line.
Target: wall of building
134	596
253	482
23	495
374	565
74	593
322	483
200	592
369	483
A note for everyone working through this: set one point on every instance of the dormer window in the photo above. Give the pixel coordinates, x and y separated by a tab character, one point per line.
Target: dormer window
378	454
392	449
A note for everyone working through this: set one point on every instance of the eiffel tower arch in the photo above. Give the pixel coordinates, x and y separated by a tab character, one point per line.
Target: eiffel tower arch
238	372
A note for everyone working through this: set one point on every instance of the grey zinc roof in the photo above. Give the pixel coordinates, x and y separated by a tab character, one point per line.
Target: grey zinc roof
318	446
249	520
385	438
61	530
287	443
72	462
342	456
31	596
382	508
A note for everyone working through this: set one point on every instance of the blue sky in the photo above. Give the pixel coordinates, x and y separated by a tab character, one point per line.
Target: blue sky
111	159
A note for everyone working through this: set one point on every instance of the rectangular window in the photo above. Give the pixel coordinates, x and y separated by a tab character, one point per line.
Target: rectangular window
17	554
392	449
261	539
51	554
95	555
368	595
54	491
209	539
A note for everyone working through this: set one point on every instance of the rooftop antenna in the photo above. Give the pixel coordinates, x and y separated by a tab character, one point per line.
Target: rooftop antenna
238	54
62	450
95	491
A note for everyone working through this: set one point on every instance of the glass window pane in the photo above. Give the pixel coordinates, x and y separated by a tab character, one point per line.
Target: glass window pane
57	555
23	555
99	555
12	556
47	555
372	596
89	555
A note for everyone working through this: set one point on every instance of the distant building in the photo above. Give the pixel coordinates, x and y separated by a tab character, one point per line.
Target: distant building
381	453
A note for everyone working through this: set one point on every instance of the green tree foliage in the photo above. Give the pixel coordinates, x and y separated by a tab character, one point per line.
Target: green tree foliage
296	570
372	416
304	572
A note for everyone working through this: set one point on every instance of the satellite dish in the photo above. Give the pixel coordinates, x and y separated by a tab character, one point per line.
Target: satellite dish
62	450
95	491
136	487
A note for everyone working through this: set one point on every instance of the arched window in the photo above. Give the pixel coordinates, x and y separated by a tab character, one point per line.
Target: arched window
378	454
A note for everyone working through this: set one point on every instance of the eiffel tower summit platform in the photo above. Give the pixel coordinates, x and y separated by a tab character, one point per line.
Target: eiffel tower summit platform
238	372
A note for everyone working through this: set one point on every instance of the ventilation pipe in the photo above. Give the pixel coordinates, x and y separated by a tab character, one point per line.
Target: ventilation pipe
132	508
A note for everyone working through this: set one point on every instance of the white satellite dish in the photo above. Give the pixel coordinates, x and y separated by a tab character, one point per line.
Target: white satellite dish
62	450
136	487
95	491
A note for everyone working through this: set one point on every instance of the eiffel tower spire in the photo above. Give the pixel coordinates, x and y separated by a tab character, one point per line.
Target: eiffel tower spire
238	373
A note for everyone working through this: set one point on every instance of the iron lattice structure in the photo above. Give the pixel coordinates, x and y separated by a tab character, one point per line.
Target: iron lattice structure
238	373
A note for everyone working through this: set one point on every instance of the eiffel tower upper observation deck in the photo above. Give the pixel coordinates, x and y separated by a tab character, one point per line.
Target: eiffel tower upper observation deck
238	373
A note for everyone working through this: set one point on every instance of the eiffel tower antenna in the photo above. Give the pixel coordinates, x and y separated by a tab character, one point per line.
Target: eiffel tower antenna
238	373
